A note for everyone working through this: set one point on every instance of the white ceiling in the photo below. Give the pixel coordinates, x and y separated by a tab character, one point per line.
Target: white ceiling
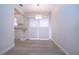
35	8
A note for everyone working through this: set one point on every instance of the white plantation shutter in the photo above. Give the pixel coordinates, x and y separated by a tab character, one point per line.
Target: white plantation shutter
39	28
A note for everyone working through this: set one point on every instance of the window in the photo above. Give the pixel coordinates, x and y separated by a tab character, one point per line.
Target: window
15	22
44	22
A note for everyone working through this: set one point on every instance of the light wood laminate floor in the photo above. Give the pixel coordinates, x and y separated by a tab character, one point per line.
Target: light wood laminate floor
35	47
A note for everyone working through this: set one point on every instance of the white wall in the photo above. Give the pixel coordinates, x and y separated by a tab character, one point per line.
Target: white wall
6	27
66	28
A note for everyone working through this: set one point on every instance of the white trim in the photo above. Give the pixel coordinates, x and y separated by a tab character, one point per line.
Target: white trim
64	50
5	50
39	39
33	38
45	39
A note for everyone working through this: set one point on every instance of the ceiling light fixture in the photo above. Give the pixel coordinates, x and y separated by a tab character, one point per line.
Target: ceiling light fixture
38	5
21	5
38	17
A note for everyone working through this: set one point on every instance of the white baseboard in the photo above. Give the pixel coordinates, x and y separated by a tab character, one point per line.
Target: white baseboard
4	51
39	39
64	50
